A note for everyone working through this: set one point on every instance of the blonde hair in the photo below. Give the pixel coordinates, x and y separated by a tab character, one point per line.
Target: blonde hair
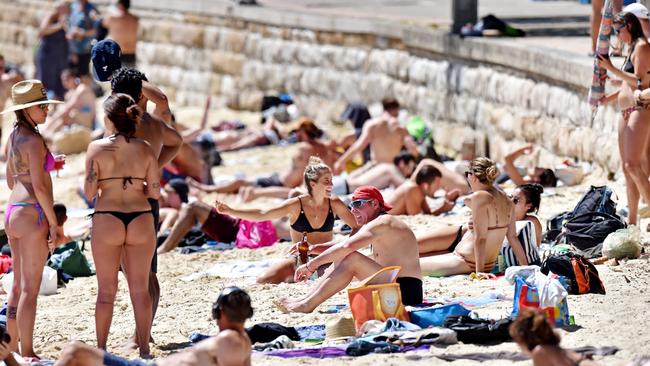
313	171
484	169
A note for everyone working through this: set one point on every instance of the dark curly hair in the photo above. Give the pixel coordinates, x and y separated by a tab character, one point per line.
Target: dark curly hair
532	328
234	303
122	111
128	81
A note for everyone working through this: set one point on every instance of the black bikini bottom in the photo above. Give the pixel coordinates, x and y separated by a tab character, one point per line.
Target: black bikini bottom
125	217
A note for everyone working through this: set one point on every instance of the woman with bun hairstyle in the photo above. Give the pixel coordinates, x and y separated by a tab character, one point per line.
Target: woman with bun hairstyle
122	172
474	249
535	336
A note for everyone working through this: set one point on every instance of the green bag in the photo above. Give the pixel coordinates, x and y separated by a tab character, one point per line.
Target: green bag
71	260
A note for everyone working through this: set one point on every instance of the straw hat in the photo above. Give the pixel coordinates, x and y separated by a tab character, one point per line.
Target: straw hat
341	327
27	93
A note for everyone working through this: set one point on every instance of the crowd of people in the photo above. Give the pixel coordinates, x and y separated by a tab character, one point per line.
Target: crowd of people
158	197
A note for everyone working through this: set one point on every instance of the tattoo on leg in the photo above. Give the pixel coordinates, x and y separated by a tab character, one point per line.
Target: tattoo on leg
11	312
92	174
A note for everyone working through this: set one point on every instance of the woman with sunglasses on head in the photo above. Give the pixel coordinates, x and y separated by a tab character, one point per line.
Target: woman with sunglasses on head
459	250
30	221
313	214
526	198
634	129
123	223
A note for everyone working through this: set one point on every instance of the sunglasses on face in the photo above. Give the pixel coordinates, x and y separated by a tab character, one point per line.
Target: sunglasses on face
43	107
515	200
468	173
358	203
617	28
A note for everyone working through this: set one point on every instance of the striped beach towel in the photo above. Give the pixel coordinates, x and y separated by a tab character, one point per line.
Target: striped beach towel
527	238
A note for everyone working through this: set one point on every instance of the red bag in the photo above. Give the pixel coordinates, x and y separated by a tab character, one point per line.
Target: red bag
5	263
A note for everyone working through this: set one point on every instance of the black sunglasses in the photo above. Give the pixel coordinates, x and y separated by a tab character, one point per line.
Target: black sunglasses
467	173
515	200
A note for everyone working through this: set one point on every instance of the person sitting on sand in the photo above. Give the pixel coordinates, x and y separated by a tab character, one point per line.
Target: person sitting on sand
410	198
461	250
534	335
230	347
172	197
123	221
385	136
545	177
64	236
392	242
220	222
308	133
78	109
317	206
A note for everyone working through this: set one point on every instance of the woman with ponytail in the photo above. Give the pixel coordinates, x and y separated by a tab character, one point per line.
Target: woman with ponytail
30	221
474	248
122	172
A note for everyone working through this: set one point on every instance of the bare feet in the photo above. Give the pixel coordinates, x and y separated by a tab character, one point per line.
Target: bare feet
130	345
287	306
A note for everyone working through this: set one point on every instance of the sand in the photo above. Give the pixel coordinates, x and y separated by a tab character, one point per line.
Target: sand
617	319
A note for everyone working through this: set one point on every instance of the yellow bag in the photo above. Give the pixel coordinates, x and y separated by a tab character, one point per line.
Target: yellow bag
377	298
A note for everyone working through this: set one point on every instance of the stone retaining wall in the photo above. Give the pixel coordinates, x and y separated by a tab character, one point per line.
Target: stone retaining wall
469	89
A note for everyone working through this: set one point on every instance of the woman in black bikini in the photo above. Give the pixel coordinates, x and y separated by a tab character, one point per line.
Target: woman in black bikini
313	213
123	220
634	129
460	250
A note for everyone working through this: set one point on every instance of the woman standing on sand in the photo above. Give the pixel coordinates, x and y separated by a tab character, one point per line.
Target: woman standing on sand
122	227
313	213
29	216
634	129
476	249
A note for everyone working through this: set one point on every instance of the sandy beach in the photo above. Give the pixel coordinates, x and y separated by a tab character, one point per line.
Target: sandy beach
617	319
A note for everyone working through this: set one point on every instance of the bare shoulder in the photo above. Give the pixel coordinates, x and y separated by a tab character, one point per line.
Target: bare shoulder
481	197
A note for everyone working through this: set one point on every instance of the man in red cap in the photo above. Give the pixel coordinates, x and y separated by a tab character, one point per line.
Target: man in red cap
392	243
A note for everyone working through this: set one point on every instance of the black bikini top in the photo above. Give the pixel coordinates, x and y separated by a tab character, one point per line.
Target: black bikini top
303	225
125	180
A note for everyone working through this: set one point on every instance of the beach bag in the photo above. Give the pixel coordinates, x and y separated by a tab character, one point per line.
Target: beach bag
255	234
587	232
596	199
71	261
48	282
527	295
479	331
435	316
582	275
378	297
623	243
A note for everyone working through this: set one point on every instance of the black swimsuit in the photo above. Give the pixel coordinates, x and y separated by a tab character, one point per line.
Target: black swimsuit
303	225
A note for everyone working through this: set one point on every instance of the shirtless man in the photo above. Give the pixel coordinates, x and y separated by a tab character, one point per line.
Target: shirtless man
385	135
410	198
230	347
393	244
449	179
123	28
310	145
164	141
78	109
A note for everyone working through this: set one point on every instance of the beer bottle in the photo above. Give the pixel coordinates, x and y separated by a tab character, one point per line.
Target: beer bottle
303	249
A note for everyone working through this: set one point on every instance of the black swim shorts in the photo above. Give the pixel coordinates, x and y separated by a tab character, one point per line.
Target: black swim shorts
411	289
113	360
270	181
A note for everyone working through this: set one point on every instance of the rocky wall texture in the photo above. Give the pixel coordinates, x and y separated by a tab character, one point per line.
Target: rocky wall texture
190	55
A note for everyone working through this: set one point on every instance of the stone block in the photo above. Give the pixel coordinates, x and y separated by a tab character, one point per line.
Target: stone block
211	36
215	84
224	62
252	46
232	40
394	63
250	100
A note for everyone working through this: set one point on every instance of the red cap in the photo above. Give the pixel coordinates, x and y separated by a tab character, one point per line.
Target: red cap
370	192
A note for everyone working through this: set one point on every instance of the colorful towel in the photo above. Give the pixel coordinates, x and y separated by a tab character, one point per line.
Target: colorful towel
311	333
597	90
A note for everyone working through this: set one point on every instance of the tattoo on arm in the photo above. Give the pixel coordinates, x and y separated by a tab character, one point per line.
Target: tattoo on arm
92	174
12	311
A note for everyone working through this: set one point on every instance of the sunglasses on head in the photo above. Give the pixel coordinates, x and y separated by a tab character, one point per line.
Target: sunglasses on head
358	203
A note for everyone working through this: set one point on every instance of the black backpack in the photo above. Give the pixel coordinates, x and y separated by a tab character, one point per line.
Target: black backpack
582	274
586	227
479	331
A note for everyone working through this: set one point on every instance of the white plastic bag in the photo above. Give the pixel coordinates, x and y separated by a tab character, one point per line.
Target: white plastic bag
48	282
623	243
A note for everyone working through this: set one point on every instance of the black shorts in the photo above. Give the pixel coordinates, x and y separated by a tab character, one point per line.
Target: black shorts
411	289
271	181
113	360
155	211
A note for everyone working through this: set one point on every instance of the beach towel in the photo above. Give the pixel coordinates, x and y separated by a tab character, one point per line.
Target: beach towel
597	90
235	269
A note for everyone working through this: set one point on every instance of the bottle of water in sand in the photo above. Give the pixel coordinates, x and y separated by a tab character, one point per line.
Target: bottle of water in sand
303	249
